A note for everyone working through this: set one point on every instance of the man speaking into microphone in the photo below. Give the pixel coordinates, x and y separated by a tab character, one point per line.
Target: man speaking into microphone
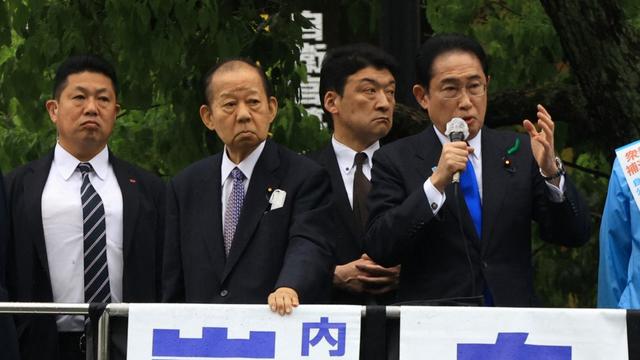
472	239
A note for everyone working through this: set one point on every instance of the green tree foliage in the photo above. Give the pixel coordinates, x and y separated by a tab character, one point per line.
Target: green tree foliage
160	49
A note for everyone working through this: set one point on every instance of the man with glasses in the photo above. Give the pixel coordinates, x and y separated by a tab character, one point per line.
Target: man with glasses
471	242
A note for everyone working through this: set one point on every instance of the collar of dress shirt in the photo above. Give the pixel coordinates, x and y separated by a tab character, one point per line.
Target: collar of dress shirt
346	155
475	143
246	166
67	163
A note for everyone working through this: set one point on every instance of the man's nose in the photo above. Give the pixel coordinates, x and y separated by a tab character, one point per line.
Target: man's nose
384	101
90	106
465	100
243	113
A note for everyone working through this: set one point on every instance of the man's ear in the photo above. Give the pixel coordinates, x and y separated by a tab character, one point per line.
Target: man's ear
52	109
421	95
331	102
273	108
207	117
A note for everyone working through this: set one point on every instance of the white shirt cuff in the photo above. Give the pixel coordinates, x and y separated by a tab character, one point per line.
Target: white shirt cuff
556	194
434	197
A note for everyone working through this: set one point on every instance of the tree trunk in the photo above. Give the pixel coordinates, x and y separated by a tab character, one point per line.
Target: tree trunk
604	53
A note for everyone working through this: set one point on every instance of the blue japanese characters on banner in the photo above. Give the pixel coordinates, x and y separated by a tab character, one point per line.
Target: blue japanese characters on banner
477	333
190	332
323	328
510	346
214	344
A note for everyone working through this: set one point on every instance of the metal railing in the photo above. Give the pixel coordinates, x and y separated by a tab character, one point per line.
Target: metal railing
116	309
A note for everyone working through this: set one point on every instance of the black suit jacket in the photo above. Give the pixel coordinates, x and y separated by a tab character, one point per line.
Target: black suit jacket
271	248
349	234
8	339
433	253
28	270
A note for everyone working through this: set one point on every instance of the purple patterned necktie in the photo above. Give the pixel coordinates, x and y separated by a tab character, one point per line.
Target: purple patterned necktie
234	206
96	271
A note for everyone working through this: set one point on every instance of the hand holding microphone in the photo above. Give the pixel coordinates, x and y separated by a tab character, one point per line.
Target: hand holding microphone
453	158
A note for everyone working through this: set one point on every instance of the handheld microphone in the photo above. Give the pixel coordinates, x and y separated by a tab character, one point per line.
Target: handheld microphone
457	130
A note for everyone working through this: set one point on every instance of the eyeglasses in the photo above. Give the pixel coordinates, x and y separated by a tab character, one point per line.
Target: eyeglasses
455	92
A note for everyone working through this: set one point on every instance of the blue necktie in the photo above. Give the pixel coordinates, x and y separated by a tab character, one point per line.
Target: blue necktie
96	271
469	186
234	206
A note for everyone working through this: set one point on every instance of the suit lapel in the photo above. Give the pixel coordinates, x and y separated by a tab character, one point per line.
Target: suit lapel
128	184
428	149
494	181
340	196
33	188
255	203
210	208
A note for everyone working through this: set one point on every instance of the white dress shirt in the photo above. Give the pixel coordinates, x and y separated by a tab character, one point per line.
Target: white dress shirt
346	163
63	230
436	198
246	166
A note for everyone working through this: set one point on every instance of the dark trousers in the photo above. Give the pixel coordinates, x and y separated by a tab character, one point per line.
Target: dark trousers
72	345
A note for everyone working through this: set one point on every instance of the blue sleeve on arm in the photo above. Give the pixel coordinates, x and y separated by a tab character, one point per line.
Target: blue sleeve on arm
618	283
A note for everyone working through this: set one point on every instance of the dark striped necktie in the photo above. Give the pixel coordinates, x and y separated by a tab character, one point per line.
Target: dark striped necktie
96	271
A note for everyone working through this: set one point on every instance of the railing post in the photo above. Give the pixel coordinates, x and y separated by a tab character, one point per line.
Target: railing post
103	335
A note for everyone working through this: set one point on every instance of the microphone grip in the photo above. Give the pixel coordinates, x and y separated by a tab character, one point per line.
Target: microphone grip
456	178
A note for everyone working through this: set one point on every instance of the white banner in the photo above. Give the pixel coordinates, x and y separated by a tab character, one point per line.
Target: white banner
239	332
629	158
467	333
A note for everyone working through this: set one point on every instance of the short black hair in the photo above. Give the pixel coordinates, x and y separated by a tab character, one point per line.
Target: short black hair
206	79
444	43
341	62
76	64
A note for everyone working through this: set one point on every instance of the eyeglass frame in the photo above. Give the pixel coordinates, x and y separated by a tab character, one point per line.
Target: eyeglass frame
459	90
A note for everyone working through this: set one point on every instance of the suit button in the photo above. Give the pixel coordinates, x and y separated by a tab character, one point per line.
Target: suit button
485	265
224	293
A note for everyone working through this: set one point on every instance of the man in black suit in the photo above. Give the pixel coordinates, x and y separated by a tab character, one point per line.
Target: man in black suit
85	225
247	225
357	85
478	242
8	339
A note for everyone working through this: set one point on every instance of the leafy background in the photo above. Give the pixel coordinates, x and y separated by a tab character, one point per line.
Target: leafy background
161	47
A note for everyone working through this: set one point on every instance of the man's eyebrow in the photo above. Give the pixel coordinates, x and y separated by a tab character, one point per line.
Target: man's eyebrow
230	92
85	90
376	82
452	79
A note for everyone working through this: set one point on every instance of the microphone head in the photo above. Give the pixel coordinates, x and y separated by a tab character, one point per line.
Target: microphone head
457	129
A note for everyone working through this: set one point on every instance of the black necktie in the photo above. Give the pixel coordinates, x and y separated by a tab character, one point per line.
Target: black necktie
96	271
361	187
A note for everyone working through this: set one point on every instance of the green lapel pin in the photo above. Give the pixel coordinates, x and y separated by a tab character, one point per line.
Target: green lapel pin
516	146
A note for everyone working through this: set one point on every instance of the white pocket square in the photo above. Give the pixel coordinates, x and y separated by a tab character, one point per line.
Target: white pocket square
277	199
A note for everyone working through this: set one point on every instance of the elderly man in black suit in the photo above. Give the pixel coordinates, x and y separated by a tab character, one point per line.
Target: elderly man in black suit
86	227
247	225
476	243
357	85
